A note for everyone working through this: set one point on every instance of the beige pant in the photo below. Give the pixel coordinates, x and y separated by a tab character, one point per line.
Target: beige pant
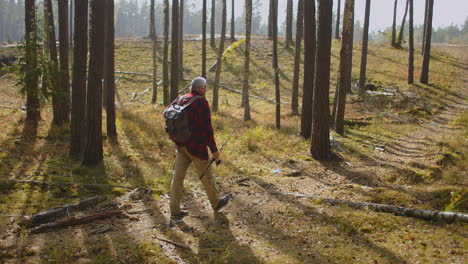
182	162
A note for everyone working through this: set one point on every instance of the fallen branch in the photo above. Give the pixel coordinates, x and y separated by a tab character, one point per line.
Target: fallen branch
74	221
72	184
396	210
172	242
64	210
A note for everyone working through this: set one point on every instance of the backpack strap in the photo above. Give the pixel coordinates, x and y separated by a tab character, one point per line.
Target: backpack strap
189	102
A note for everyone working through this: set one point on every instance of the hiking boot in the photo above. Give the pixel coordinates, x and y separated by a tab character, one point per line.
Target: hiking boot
180	216
222	202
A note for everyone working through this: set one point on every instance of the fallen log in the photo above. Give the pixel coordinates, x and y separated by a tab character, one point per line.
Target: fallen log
396	210
74	221
43	217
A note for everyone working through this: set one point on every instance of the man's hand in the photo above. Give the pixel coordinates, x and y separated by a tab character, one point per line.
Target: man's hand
215	155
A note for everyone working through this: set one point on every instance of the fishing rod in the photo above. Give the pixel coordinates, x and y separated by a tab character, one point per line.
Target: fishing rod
218	161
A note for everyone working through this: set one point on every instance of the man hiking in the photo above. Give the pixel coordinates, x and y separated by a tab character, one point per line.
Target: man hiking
195	150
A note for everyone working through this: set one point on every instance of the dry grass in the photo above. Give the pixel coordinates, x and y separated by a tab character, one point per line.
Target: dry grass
383	160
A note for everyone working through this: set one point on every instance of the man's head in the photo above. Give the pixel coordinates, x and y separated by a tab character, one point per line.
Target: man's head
199	85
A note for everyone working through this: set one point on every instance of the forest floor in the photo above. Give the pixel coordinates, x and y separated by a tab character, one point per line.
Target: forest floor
404	145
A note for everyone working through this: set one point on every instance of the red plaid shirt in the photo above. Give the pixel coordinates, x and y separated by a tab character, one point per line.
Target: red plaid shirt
200	126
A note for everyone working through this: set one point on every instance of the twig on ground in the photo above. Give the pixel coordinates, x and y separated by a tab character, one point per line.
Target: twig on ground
172	242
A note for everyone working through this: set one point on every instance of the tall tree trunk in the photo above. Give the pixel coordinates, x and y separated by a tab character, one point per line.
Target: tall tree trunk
53	68
154	38
80	57
109	78
346	65
220	59
424	27
45	54
270	20
275	64
31	74
233	19
297	57
309	67
394	24
411	44
166	93
402	27
289	18
174	50
70	17
245	84
212	32
180	62
320	143
64	77
203	70
93	152
427	44
338	17
365	39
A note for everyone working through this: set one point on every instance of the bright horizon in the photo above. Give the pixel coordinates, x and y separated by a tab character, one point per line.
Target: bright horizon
446	12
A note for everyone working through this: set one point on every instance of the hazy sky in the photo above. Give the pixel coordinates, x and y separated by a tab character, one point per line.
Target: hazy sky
446	12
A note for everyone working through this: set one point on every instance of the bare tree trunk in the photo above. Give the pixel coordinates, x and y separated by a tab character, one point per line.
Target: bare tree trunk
31	82
411	44
220	60
212	32
93	151
166	93
45	54
297	57
70	31
270	20
427	44
394	24
402	27
154	38
289	18
365	39
53	68
245	84
233	33
180	62
203	71
64	76
346	65
309	68
80	55
424	27
275	63
320	139
338	17
174	50
109	65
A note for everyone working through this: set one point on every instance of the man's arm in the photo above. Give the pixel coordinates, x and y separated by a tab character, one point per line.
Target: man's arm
210	140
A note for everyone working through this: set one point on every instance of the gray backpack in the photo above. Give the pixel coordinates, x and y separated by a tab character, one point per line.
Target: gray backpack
177	122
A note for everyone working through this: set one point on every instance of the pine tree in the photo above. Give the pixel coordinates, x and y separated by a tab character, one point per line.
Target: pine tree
233	33
411	44
427	44
346	65
275	63
109	78
166	93
93	150
365	40
154	38
320	139
203	71
402	27
245	84
289	18
309	67
338	17
80	54
220	59
212	31
393	43
180	62
174	50
297	57
63	91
